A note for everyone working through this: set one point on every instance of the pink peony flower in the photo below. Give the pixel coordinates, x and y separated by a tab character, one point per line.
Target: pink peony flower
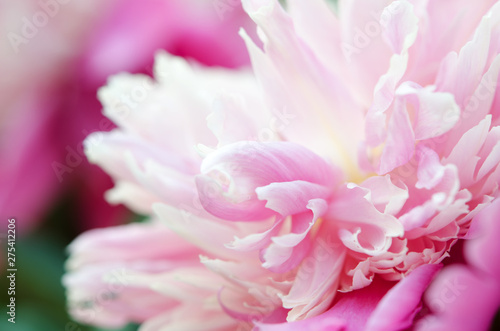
320	191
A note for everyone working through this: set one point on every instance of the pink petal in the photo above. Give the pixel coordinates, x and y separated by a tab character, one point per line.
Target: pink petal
232	174
435	112
318	323
472	75
465	153
398	307
376	307
363	228
438	37
483	252
461	299
463	76
234	118
400	141
317	279
386	196
206	233
133	161
367	54
256	241
124	243
400	30
430	170
295	83
288	250
106	272
288	198
188	319
387	83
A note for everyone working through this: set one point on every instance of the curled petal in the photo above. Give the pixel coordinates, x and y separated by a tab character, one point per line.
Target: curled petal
288	250
232	174
363	228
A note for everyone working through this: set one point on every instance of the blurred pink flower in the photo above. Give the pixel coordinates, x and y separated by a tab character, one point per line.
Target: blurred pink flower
55	57
36	63
354	155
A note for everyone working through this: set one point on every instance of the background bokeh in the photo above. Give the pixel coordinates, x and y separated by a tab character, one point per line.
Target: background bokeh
54	55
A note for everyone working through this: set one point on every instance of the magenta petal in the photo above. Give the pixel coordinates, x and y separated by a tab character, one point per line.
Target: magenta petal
399	306
484	252
376	307
356	307
461	299
349	313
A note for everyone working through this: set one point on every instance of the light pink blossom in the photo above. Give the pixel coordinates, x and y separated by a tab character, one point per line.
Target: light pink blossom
354	155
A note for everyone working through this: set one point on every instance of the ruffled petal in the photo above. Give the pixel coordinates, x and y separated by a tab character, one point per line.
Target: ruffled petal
362	227
288	250
317	279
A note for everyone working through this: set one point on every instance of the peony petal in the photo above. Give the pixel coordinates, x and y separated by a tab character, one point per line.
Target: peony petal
208	234
483	251
398	307
296	84
465	153
435	112
125	243
256	241
288	250
400	141
363	228
385	195
387	84
430	170
289	198
131	195
186	319
243	167
462	300
355	307
317	279
234	118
